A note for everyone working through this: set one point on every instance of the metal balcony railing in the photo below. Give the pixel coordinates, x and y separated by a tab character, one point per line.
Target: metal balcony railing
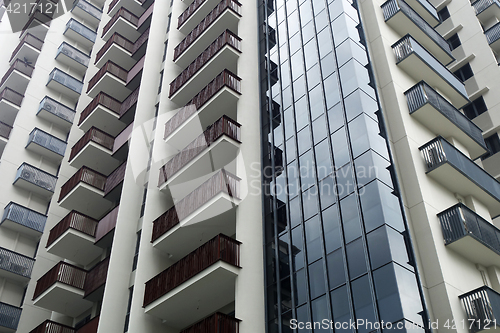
226	38
96	277
50	326
123	13
224	79
28	39
84	175
482	307
392	7
129	101
9	315
223	126
57	109
16	263
66	80
24	216
481	5
64	273
37	177
117	39
110	68
5	130
11	96
81	29
106	224
74	54
19	66
74	220
219	248
47	141
145	16
136	69
115	178
493	33
103	99
89	8
421	94
192	8
221	182
140	41
92	135
216	323
233	5
38	16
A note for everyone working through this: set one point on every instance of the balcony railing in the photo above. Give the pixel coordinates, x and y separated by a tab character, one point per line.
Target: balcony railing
439	151
93	135
221	182
76	221
38	16
392	7
28	39
117	39
193	7
219	248
493	33
19	66
11	96
224	79
207	22
110	68
223	126
58	109
125	14
129	101
9	315
50	326
89	8
96	277
66	80
216	323
90	327
24	216
84	175
16	263
227	38
36	176
135	70
140	41
482	5
146	15
459	221
115	178
101	99
421	94
74	54
64	273
5	130
47	141
81	29
482	307
106	224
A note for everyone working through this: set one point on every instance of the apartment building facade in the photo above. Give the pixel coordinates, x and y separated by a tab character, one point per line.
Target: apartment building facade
217	166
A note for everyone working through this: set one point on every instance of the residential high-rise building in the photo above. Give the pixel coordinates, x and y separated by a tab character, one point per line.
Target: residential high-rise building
269	166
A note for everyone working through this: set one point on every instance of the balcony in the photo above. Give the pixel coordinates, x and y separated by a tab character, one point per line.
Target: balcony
438	115
80	33
486	10
493	37
73	238
204	213
35	180
218	322
471	236
56	113
84	193
133	6
38	25
403	19
207	274
73	58
102	112
134	75
127	109
117	48
61	290
15	266
195	13
94	150
44	144
140	45
65	84
225	16
222	54
10	102
23	220
50	326
17	77
95	281
123	22
105	229
217	99
482	307
87	12
110	79
456	172
145	19
29	48
9	317
417	62
120	147
5	130
113	187
216	148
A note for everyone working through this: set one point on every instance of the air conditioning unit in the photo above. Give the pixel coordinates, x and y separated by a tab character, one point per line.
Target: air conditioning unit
60	78
67	52
44	184
80	60
18	269
28	175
